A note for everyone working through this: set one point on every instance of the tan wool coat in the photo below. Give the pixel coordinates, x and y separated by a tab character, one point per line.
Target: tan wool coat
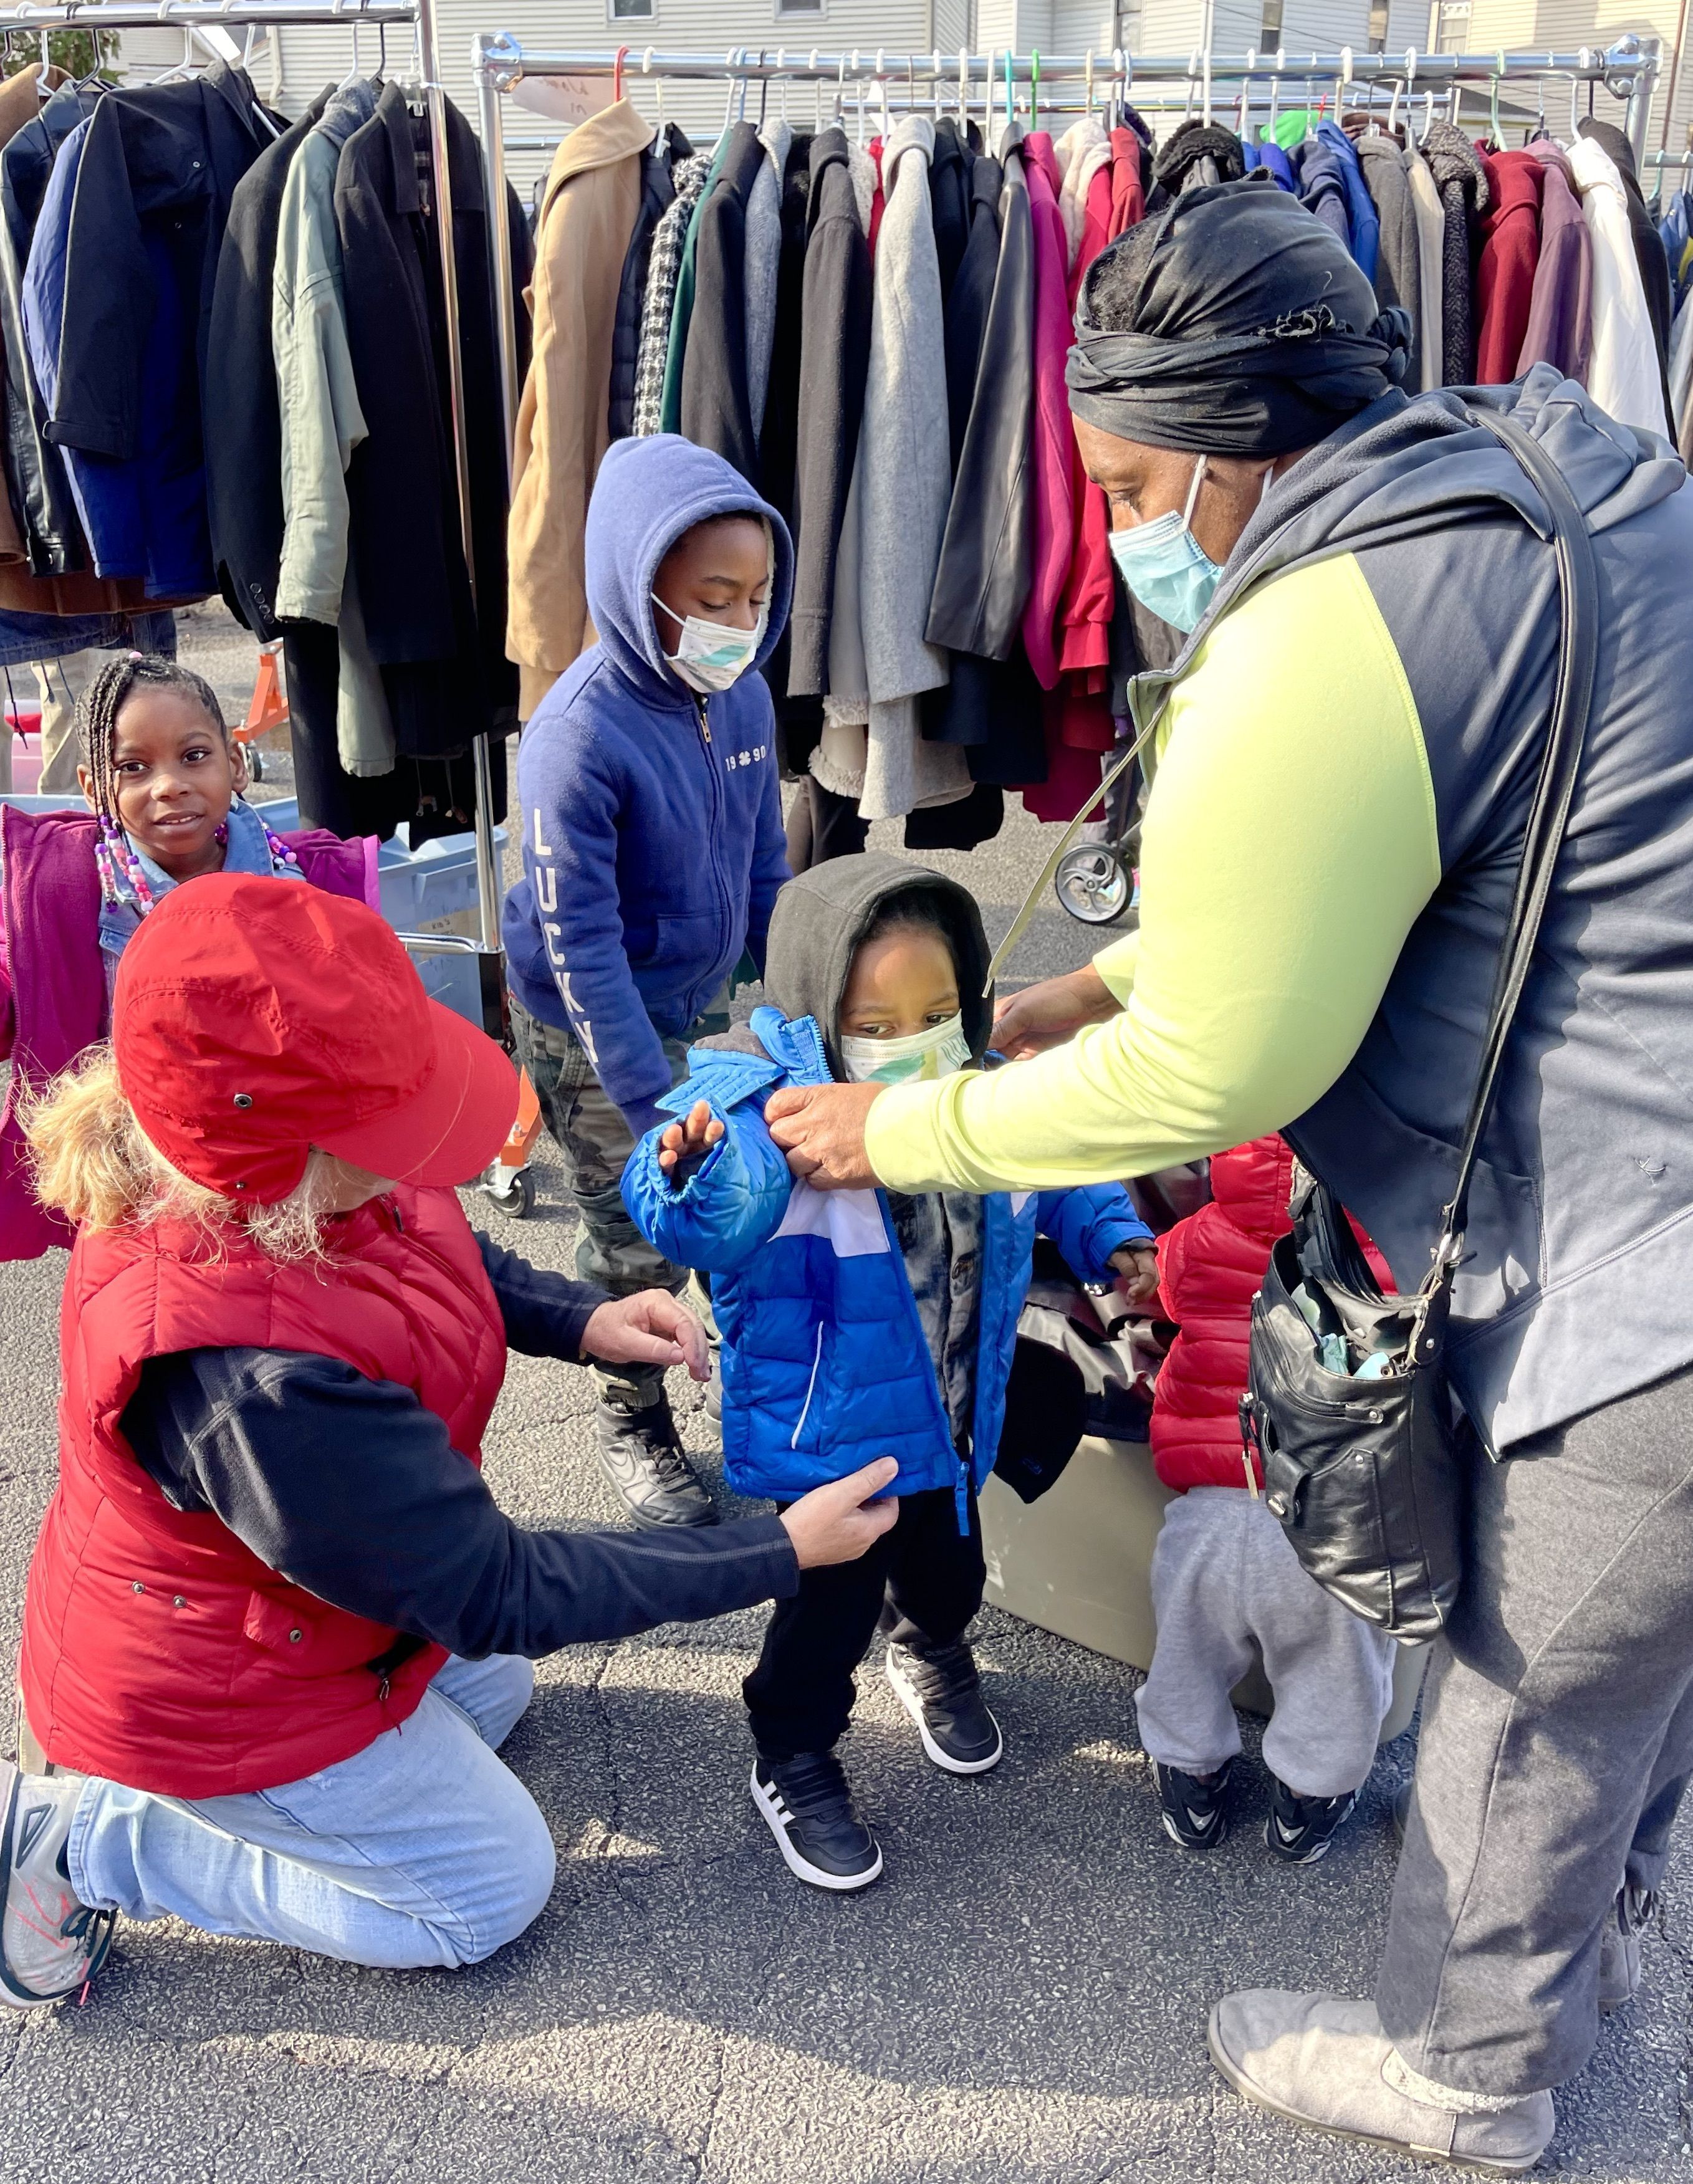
581	238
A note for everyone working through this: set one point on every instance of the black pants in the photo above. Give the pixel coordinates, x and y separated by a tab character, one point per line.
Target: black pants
921	1583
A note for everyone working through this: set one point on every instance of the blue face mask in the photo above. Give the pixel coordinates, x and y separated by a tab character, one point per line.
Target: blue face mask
1165	565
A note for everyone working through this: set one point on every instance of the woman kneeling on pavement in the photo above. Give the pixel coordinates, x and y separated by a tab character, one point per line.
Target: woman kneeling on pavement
276	1626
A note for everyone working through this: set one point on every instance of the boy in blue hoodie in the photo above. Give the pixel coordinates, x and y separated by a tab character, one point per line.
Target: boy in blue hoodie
861	1322
653	851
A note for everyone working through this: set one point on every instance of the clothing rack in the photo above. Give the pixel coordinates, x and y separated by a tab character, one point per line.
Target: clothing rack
499	63
97	15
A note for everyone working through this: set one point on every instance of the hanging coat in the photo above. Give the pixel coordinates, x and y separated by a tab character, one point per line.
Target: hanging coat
982	581
716	402
1624	377
1648	245
594	193
443	662
763	262
834	364
1560	328
1053	438
1128	194
1431	252
905	454
1505	269
244	456
658	193
1386	169
688	178
1462	183
971	297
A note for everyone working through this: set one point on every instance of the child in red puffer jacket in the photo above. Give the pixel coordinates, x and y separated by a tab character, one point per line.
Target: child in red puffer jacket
1223	1575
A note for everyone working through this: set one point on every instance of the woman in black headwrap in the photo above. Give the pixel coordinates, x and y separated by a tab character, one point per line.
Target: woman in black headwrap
1347	749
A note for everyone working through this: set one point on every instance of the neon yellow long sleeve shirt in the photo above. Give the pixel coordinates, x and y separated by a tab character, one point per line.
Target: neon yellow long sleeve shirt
1289	843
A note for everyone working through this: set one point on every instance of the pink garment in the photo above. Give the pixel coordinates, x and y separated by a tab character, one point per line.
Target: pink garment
1073	772
1051	440
52	978
1084	621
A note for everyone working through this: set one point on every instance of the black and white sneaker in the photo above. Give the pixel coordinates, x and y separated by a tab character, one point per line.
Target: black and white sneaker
644	1463
808	1809
1194	1818
942	1694
1300	1829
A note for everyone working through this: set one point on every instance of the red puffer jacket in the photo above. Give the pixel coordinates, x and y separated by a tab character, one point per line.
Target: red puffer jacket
1208	1267
158	1651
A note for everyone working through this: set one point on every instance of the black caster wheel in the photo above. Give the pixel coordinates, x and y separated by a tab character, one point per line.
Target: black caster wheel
1093	884
515	1197
255	762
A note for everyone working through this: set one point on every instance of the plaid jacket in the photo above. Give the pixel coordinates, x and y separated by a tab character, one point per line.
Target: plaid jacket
688	176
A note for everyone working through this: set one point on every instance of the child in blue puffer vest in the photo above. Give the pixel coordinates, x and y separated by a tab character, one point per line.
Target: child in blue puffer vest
861	1322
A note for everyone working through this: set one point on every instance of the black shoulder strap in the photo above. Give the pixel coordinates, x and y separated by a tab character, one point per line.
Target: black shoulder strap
1553	790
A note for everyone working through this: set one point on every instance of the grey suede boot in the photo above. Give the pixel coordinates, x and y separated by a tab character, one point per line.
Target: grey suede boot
1323	2061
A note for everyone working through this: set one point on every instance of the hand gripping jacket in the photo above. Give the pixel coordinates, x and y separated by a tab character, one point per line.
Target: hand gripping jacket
159	1651
825	1363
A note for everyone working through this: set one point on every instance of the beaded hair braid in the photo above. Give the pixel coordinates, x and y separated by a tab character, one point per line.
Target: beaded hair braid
98	712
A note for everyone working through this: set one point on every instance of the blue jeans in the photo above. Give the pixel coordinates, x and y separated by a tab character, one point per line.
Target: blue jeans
421	1849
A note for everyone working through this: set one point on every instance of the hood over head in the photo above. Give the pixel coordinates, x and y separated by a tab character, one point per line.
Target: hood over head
820	917
648	491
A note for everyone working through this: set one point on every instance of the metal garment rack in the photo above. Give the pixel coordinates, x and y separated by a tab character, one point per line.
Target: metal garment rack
984	82
231	15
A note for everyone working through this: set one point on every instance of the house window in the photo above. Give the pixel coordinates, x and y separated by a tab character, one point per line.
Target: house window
799	7
1454	26
1270	30
626	11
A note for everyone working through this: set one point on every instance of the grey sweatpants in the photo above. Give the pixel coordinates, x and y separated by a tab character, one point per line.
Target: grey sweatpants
1223	1575
1557	1739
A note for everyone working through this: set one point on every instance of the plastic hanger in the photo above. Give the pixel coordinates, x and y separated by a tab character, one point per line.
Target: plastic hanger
1033	89
616	73
736	53
1493	104
1010	95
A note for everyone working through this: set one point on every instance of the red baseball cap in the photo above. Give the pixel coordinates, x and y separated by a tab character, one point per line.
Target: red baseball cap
254	1018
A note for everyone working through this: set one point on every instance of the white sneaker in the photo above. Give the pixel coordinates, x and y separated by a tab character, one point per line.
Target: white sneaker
51	1945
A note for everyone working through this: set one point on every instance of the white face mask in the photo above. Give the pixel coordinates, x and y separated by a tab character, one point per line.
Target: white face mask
710	655
940	1051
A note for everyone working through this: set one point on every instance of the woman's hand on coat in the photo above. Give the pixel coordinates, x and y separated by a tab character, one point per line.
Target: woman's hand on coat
649	1329
835	1523
1048	1014
820	1128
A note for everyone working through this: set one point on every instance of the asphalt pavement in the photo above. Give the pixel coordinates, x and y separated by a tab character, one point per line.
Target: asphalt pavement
1022	1998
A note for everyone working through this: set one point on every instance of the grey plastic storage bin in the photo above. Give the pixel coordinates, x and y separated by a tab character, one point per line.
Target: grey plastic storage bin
420	886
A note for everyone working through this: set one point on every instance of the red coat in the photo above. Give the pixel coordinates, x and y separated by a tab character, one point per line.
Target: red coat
1504	270
1210	1266
159	1651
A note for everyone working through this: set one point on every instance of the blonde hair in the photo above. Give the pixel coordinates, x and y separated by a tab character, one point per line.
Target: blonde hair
95	1164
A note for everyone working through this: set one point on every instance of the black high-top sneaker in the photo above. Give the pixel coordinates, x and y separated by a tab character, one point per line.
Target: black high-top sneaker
1194	1818
941	1691
1300	1829
808	1809
639	1453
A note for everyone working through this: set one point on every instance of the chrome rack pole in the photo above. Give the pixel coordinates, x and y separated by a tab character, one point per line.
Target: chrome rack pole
485	54
489	888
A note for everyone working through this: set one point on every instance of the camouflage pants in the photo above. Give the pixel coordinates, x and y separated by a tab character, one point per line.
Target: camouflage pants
594	1142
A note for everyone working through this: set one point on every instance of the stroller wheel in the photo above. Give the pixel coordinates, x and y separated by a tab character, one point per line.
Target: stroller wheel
1093	884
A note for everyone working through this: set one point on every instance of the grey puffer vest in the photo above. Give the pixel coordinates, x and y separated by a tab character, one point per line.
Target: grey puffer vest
1577	1286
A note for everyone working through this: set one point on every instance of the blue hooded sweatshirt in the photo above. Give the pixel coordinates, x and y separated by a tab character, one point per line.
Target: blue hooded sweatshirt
653	844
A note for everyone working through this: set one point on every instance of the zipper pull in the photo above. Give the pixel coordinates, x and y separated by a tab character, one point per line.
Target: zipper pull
704	725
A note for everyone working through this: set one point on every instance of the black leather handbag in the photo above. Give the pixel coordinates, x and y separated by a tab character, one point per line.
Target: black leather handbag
1364	1469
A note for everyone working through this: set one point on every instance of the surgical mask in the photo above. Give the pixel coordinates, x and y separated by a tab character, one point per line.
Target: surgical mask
940	1051
710	655
1165	565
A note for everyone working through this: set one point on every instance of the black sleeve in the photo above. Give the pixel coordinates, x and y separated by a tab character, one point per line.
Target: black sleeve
544	1314
351	1489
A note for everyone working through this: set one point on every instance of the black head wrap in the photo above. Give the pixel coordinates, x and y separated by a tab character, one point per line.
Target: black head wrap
1249	331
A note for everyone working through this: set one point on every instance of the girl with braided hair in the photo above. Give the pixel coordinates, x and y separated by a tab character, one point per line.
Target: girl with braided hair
163	779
